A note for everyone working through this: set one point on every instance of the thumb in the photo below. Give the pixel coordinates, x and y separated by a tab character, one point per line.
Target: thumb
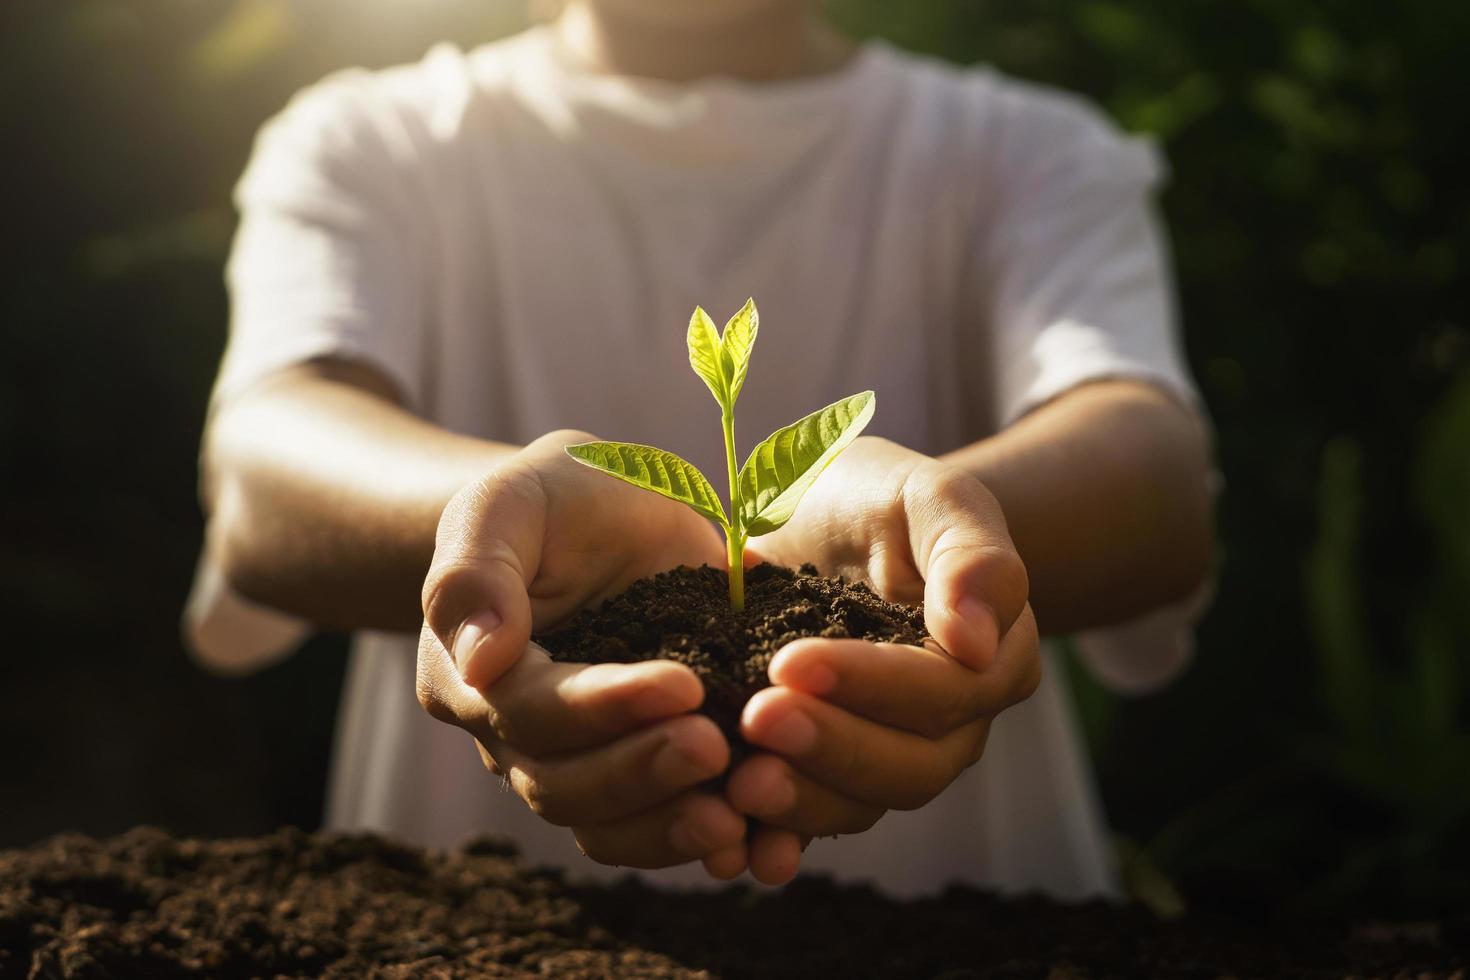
975	584
486	552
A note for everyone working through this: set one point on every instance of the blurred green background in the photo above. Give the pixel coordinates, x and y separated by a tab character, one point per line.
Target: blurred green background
1317	756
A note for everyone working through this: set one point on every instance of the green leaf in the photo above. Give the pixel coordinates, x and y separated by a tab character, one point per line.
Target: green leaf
704	355
786	464
653	469
735	346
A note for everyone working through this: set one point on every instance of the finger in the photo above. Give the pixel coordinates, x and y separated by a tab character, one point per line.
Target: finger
443	693
486	758
729	863
921	690
975	584
918	689
861	759
487	549
775	855
544	708
766	787
610	782
687	828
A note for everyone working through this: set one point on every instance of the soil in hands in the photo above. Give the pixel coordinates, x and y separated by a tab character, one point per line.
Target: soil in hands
148	905
685	616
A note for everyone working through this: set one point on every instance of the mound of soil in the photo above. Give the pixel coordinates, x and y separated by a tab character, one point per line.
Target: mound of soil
685	615
296	905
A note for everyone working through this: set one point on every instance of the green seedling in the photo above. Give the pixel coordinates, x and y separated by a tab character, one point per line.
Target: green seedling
764	492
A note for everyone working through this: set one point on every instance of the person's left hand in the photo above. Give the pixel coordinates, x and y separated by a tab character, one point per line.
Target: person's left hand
854	728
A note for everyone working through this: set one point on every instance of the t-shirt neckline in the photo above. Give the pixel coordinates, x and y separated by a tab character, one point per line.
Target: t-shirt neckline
642	95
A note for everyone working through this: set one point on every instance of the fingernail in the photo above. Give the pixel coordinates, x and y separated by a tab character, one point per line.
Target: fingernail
471	634
793	735
810	675
982	618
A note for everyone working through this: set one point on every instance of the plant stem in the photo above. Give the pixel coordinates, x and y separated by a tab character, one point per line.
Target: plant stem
735	548
734	534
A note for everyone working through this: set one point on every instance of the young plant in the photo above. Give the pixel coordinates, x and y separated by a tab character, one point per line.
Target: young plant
764	492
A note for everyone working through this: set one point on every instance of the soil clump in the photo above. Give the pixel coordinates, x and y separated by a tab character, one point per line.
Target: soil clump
291	904
684	615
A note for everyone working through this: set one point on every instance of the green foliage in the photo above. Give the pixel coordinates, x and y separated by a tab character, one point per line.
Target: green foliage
705	355
1396	741
786	463
656	470
1145	883
723	360
781	468
735	347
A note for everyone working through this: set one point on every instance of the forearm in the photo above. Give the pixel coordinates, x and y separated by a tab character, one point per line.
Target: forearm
1105	494
325	494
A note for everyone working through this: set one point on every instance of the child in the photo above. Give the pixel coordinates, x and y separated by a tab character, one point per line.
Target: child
442	267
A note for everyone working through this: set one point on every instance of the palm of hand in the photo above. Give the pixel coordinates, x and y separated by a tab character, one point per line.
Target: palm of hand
601	536
851	522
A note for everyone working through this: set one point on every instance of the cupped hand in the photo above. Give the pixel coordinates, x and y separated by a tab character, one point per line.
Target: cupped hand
852	728
609	750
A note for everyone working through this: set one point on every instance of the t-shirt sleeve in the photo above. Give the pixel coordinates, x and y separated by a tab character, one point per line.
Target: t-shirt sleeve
1074	259
327	257
327	261
1080	289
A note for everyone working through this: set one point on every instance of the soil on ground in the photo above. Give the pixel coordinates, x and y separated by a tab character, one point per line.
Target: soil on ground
148	905
685	616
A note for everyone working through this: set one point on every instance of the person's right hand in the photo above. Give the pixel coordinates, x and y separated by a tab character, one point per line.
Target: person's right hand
609	750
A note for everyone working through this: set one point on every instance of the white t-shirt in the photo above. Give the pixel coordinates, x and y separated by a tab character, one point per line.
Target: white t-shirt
519	243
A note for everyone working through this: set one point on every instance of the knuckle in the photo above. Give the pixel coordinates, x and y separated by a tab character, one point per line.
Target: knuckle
506	708
448	591
936	489
464	513
520	483
1029	680
500	723
427	688
542	798
952	486
1025	674
429	700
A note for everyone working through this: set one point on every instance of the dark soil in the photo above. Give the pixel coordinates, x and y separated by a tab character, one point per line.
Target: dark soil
297	905
685	615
